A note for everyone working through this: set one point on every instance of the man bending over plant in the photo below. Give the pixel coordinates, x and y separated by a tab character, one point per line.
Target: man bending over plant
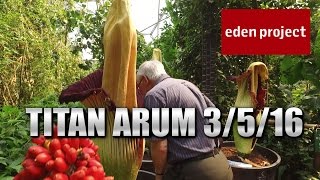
196	158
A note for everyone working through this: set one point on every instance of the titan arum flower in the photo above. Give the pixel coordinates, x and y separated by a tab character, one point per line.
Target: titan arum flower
114	86
251	94
156	55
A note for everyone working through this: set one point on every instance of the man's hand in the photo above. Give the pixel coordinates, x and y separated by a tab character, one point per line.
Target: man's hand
159	156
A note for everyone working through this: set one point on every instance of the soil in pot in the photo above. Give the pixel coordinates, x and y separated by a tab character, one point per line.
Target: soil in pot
265	162
255	157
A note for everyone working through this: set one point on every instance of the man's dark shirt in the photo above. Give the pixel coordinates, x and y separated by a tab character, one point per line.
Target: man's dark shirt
175	93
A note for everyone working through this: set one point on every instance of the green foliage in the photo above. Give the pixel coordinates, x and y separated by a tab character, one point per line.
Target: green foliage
51	101
37	61
296	153
166	43
185	38
144	50
187	35
89	27
294	80
35	58
296	68
14	139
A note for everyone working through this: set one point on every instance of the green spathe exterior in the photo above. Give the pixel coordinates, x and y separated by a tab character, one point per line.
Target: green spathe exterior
250	95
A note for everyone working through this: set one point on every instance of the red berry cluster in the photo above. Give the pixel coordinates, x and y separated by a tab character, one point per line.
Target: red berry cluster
62	159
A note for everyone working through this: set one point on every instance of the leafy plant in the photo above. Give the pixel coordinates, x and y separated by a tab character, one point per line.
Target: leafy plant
88	27
14	140
294	80
35	58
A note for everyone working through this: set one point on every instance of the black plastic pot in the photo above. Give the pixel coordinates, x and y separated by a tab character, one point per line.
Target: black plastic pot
255	173
146	171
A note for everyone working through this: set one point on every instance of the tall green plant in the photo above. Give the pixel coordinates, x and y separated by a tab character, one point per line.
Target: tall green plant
35	58
14	140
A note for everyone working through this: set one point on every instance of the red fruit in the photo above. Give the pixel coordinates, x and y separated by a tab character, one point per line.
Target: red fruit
64	141
93	162
47	178
89	151
43	158
91	171
88	178
74	142
39	140
60	165
54	145
95	172
84	168
100	173
65	148
28	162
35	150
91	143
28	155
85	142
35	171
85	156
95	148
71	155
60	176
59	153
49	165
55	131
23	175
97	157
52	173
17	177
80	163
78	175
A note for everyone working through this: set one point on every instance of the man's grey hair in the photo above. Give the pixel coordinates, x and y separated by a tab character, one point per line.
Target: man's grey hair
152	69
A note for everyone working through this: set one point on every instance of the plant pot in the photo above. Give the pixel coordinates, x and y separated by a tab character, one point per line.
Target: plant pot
256	173
146	171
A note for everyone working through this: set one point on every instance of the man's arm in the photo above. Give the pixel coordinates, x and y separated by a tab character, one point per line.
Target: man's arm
159	156
158	145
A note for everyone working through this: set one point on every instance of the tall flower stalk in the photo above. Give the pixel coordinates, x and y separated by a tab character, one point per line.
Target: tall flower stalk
156	54
114	86
251	94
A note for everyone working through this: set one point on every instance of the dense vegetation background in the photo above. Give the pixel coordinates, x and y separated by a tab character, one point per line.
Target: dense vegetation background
38	59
